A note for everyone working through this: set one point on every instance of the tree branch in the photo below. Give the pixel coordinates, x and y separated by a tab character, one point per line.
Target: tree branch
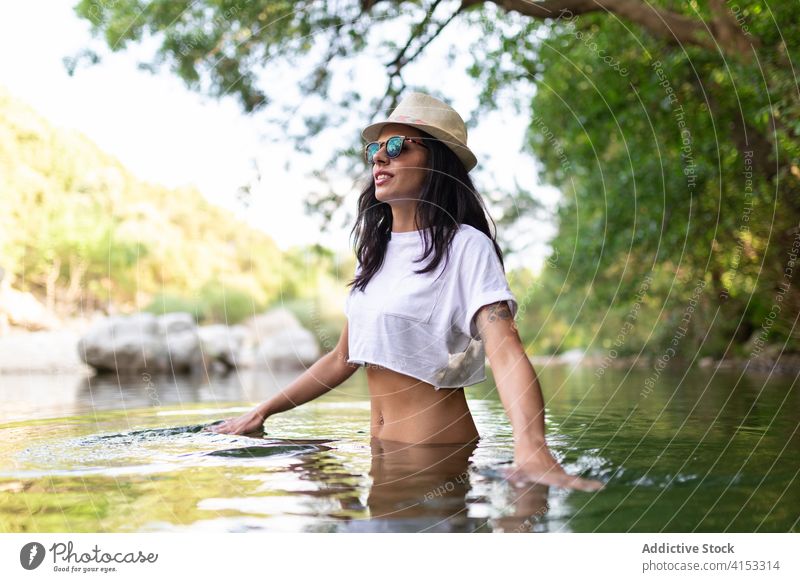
727	31
396	65
670	26
400	60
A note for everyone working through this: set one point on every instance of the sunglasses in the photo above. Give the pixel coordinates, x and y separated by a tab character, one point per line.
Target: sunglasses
394	145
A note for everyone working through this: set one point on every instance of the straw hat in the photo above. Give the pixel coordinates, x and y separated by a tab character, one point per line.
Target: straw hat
431	116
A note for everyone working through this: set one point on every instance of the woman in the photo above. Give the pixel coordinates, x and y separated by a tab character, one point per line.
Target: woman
427	304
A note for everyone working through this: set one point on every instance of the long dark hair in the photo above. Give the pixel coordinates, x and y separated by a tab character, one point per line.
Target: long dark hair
448	199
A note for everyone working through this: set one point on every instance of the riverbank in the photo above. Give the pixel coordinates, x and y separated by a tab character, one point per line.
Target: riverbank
172	343
46	352
56	352
770	362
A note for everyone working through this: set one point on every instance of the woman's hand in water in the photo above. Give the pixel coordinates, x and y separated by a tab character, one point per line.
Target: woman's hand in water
249	423
534	463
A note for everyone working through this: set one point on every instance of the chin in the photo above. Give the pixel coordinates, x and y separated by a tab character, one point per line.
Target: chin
391	196
384	195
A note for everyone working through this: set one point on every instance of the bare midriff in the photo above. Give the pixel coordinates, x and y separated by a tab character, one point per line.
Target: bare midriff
408	410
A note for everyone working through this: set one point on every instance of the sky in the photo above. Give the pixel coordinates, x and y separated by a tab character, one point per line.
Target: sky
167	134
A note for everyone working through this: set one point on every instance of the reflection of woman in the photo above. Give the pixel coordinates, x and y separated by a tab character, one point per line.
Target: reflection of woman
418	488
425	487
419	481
429	300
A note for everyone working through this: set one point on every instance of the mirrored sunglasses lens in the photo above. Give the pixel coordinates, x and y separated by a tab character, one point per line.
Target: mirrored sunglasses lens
372	149
394	146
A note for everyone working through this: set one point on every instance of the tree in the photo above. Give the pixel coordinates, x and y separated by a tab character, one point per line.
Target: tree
660	108
77	229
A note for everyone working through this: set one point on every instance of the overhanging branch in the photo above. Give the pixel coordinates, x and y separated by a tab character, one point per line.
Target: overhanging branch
670	26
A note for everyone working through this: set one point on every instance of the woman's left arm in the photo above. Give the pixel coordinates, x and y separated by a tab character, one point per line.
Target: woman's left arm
522	399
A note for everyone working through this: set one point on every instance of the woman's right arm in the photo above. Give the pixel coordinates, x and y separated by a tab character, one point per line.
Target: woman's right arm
327	373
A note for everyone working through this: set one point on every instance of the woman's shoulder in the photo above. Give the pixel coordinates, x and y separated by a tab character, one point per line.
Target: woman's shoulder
469	237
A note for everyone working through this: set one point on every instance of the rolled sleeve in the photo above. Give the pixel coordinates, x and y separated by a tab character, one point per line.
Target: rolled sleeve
483	282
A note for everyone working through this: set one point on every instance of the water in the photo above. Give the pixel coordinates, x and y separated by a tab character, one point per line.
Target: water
702	452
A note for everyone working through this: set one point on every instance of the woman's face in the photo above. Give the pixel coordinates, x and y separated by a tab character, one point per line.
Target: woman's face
400	179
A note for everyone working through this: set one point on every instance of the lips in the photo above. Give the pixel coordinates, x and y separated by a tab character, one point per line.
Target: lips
382	177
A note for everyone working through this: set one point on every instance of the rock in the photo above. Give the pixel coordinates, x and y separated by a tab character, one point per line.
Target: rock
174	343
182	339
289	348
176	322
280	341
183	351
141	323
22	309
139	342
270	323
223	344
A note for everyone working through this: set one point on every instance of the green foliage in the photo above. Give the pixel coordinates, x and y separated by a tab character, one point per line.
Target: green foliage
226	304
214	44
77	229
168	303
645	139
212	303
609	129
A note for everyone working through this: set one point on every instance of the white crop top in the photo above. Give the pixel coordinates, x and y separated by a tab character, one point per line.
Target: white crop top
420	326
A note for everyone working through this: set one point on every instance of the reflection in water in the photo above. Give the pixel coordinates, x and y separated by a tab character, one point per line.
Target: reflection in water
24	396
726	445
269	450
113	392
528	508
425	488
418	487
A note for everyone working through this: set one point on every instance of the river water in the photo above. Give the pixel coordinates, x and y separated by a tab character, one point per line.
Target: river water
701	451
